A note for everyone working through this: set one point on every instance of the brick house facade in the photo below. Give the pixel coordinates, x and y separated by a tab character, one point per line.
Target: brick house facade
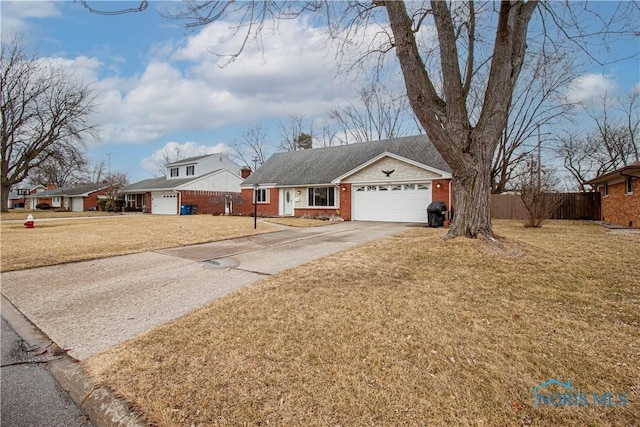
389	180
620	195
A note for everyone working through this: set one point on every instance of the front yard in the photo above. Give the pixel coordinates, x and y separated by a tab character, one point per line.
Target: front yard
56	240
409	330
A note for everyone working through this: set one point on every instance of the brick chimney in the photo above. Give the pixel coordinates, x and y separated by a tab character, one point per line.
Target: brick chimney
245	171
51	186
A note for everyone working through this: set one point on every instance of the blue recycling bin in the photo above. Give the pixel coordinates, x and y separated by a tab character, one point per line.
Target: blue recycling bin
185	210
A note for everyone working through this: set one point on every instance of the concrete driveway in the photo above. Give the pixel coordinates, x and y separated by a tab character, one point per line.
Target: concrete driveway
89	306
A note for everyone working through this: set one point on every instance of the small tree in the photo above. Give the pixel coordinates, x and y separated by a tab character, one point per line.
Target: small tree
115	182
536	186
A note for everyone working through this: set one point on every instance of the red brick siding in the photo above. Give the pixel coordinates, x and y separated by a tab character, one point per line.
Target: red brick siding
441	194
619	207
345	202
208	202
264	209
90	201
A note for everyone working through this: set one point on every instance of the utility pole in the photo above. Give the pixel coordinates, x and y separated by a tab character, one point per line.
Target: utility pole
539	158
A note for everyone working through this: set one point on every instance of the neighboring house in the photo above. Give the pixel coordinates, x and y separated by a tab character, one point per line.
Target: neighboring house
77	198
389	180
205	182
18	196
620	195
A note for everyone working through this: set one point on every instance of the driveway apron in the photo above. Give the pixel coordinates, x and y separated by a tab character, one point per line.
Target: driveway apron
87	307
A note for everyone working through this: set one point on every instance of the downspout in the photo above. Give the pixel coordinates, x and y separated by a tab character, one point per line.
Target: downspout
179	207
450	208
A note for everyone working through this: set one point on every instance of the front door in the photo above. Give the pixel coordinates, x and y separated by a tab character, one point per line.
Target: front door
286	195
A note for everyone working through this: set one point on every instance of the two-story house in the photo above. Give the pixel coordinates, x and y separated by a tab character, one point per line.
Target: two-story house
202	184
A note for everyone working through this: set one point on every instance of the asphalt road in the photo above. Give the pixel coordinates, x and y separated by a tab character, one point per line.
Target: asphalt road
87	307
30	394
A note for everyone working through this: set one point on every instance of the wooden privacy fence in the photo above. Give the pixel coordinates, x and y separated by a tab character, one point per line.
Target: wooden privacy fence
570	206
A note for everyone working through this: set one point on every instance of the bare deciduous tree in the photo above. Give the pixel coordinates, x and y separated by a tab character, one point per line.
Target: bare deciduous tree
380	114
536	186
538	101
292	131
63	169
169	156
612	143
45	115
115	181
252	146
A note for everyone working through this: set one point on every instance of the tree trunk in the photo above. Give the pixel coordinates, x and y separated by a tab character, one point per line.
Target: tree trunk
472	203
5	187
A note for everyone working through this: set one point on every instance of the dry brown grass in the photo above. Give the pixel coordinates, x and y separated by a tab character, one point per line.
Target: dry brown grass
21	214
409	330
54	242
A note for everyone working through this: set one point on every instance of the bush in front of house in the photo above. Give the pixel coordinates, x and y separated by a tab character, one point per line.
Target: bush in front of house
110	205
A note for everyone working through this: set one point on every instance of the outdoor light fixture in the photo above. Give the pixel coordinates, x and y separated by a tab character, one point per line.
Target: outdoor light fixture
438	185
344	188
298	192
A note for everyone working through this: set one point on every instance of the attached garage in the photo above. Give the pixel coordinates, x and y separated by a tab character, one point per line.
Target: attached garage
164	203
391	202
77	204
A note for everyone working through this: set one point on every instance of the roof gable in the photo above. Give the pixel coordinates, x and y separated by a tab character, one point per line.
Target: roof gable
383	159
326	165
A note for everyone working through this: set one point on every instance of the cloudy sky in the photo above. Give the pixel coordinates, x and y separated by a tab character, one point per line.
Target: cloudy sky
161	86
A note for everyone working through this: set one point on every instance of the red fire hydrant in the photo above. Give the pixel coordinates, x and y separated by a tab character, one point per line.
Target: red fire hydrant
29	222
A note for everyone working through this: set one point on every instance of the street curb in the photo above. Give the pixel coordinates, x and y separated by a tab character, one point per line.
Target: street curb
100	404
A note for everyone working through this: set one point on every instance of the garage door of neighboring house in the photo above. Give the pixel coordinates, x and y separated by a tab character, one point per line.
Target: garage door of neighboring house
77	204
394	202
164	203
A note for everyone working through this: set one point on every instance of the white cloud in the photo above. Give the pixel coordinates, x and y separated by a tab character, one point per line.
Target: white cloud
15	15
192	92
171	150
589	88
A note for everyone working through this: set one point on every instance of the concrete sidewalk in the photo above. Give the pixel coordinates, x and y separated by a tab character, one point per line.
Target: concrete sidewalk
87	307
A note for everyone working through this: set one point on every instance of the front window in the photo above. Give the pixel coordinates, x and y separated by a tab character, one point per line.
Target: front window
629	185
173	172
606	189
191	170
322	196
261	195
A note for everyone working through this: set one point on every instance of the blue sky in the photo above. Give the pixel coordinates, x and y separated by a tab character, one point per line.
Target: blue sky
160	86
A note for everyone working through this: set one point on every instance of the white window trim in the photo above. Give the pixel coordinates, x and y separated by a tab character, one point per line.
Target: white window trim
335	198
628	183
266	196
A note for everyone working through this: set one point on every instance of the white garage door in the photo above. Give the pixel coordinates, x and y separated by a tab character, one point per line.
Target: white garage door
77	204
395	203
164	203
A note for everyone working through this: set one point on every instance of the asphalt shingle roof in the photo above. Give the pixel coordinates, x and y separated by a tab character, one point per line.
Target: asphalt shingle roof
77	190
323	165
160	183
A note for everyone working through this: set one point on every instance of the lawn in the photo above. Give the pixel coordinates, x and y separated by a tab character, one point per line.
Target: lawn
408	330
55	240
